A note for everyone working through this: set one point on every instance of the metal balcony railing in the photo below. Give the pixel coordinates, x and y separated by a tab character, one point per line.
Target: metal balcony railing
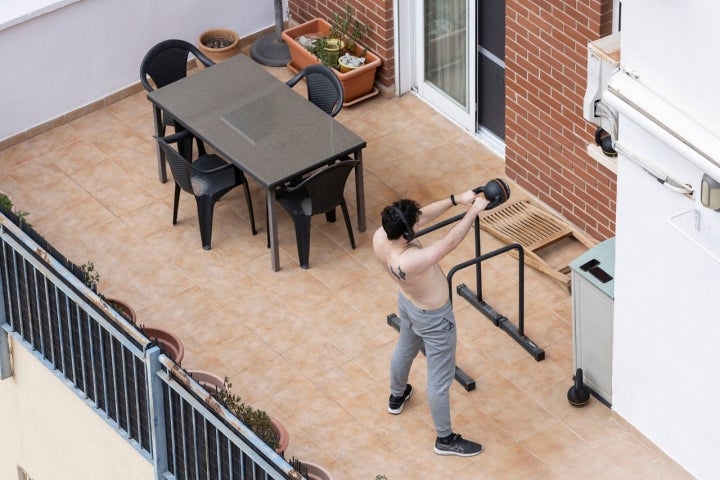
148	399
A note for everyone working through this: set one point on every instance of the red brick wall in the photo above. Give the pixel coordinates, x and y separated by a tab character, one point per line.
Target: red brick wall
377	14
545	78
546	135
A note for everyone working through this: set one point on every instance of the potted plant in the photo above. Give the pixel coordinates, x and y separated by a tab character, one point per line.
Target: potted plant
218	44
7	203
268	429
311	470
170	343
308	44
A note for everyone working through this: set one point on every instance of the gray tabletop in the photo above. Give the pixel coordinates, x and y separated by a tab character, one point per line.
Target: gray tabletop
269	131
255	121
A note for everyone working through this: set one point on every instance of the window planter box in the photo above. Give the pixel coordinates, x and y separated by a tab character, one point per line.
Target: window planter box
358	84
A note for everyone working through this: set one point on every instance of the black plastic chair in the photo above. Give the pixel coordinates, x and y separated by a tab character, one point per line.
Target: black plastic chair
207	178
326	92
323	87
164	64
319	193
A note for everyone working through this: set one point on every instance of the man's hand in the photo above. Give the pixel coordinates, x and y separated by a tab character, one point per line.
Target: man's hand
479	203
466	198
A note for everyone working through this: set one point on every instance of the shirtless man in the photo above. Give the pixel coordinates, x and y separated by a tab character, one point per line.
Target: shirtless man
424	307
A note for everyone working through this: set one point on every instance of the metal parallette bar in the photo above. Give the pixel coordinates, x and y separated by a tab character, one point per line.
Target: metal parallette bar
517	333
502	322
468	383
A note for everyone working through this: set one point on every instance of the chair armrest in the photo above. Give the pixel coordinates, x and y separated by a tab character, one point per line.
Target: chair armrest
203	58
176	137
212	170
295	79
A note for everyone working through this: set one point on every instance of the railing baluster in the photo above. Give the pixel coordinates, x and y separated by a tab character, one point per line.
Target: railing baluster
52	314
116	402
103	356
80	342
93	373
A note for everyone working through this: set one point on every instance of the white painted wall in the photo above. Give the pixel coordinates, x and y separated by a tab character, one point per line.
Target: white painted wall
80	53
78	446
666	362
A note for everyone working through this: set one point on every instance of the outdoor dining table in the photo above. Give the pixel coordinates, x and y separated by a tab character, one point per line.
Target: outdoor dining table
255	121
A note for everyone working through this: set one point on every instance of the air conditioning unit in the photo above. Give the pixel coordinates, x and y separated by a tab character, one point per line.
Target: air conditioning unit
603	63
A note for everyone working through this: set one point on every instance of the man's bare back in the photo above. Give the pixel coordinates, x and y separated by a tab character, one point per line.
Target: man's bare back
414	267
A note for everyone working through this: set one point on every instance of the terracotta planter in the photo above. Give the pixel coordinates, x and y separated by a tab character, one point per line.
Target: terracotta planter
212	383
358	84
170	343
316	472
228	42
282	433
123	309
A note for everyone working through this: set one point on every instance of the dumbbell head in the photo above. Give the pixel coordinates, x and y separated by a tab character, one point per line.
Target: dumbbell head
496	192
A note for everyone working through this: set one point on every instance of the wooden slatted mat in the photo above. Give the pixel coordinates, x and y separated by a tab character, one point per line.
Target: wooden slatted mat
535	229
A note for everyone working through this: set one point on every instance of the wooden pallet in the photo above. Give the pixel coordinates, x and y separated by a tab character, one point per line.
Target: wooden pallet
533	228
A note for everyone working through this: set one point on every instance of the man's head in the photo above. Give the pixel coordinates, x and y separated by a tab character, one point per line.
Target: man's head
399	218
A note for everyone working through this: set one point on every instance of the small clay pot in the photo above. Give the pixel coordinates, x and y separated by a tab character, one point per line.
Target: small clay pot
219	44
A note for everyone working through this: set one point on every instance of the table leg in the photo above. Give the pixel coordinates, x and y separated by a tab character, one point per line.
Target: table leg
272	230
360	191
162	169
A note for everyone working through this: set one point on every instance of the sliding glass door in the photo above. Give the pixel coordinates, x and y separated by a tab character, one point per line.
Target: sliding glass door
444	62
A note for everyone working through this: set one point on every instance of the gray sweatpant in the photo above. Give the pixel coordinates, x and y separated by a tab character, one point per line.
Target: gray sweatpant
436	328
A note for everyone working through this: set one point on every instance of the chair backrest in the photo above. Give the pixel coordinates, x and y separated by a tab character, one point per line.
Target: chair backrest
324	88
166	62
325	188
179	166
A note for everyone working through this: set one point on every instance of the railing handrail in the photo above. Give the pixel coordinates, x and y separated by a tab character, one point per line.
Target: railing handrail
159	369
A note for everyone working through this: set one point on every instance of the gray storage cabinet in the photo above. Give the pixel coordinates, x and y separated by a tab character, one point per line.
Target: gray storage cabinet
593	302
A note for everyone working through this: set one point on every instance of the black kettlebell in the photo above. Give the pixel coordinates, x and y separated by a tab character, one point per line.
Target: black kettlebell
578	395
496	192
604	140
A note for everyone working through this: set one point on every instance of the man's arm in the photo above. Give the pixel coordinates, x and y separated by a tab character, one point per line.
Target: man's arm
420	259
433	210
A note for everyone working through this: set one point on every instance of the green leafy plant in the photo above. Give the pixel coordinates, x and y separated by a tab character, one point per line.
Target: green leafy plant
91	278
7	204
345	27
256	420
345	31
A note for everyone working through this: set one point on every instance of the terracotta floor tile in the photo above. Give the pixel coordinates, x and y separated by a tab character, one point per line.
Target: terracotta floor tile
556	445
312	347
628	452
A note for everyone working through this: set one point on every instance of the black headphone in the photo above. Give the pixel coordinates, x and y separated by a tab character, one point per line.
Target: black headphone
408	234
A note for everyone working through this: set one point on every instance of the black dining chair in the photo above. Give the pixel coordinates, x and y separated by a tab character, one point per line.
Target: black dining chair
323	87
207	178
163	64
319	193
325	91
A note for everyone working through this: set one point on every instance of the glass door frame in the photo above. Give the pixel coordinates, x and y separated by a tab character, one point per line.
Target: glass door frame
464	116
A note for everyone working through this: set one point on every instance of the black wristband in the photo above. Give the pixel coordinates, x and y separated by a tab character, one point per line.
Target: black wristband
452	199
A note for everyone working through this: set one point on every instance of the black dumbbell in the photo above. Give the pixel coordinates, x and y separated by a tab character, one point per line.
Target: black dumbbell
496	192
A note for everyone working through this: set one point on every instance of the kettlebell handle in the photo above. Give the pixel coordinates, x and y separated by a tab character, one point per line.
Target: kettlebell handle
496	191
